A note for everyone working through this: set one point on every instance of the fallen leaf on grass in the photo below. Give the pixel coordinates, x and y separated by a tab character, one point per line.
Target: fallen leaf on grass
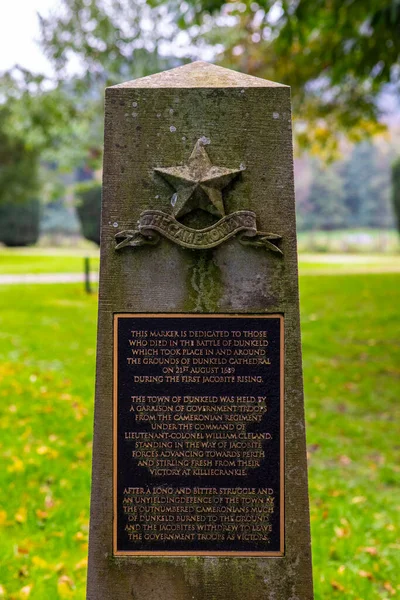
389	588
23	572
365	574
39	562
21	515
371	550
358	499
17	466
82	564
25	591
313	448
65	587
341	532
337	586
41	514
48	501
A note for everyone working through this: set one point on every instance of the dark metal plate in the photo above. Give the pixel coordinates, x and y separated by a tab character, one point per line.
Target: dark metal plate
198	435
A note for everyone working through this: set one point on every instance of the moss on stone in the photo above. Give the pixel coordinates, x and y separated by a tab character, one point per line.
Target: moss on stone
204	283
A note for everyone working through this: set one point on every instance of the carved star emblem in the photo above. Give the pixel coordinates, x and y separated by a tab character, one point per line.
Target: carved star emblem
198	184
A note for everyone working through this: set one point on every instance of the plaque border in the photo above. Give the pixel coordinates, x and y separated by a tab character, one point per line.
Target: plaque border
183	553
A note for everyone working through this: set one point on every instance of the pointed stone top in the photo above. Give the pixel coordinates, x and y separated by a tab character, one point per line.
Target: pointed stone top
199	74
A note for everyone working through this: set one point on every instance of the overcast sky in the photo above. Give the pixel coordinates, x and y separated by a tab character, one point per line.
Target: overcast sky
18	31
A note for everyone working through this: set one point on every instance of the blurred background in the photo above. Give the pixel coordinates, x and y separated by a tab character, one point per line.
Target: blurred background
341	59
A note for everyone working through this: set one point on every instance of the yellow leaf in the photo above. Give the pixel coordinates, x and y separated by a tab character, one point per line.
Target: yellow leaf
82	564
39	562
358	500
2	591
21	515
3	517
25	591
17	466
65	587
42	450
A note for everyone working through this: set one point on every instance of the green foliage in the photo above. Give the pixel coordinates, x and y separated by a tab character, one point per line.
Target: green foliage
32	120
89	209
337	56
113	39
19	223
396	191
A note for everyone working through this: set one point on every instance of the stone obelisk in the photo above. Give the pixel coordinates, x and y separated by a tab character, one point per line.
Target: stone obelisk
199	394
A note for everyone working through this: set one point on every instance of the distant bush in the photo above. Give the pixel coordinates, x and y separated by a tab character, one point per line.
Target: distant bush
396	191
89	209
19	222
59	219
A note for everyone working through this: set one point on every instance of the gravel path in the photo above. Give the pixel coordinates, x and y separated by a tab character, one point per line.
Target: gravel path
46	278
33	278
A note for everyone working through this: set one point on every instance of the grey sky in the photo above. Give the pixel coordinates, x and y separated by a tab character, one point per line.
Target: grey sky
18	31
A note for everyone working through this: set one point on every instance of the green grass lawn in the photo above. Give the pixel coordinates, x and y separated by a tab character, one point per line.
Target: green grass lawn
17	263
34	260
352	382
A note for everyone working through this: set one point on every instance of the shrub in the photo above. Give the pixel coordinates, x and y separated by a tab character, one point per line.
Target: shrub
396	191
19	222
89	209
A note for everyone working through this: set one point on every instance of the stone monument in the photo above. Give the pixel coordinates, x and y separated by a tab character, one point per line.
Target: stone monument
199	485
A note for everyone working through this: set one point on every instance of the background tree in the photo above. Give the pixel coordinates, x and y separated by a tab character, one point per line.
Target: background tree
32	120
337	56
89	209
324	207
396	191
366	182
19	223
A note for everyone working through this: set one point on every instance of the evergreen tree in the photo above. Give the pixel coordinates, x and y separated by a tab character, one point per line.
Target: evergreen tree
396	191
366	183
326	207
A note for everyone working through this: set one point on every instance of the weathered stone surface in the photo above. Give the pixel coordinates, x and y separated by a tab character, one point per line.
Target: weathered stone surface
152	123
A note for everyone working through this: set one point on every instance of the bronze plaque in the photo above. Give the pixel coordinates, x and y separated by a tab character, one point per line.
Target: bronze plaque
198	435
